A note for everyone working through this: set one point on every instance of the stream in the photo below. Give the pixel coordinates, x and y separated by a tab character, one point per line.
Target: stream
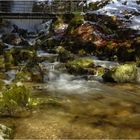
85	107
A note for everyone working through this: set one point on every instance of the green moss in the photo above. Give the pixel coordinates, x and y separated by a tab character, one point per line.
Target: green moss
98	5
2	85
23	76
14	99
100	71
9	60
64	55
122	74
2	62
21	55
81	66
77	20
81	62
81	52
58	22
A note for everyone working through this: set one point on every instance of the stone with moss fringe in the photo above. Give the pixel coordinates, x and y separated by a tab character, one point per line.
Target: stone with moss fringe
81	66
122	74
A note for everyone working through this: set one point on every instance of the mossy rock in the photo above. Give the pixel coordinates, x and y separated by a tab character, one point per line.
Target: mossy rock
15	101
76	21
2	62
122	74
57	23
34	70
2	85
2	47
21	55
98	4
81	66
100	71
136	44
23	76
64	55
9	59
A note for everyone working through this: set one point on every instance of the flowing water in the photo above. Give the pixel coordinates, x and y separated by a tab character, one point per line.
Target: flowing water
78	106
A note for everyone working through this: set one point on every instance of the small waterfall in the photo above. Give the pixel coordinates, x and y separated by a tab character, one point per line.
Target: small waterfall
29	24
25	7
21	6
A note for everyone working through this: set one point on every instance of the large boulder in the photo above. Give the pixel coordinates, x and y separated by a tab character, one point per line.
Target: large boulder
83	36
122	74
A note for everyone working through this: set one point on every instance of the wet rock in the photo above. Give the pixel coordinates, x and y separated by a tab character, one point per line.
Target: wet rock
64	55
44	27
125	51
2	62
100	71
40	6
5	132
60	27
23	76
75	22
12	39
136	45
81	66
21	32
2	85
2	47
36	72
51	42
105	22
44	56
122	74
23	55
97	5
9	59
84	36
